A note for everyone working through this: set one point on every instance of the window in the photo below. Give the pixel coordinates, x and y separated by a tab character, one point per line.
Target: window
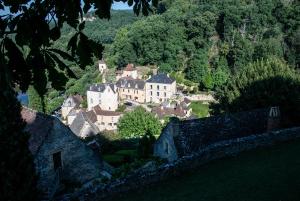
165	94
151	93
157	87
128	90
150	86
165	87
57	160
123	90
166	148
91	100
157	93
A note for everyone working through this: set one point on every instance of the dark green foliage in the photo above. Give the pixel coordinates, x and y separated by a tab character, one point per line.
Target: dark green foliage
237	31
137	123
263	83
145	148
17	173
35	101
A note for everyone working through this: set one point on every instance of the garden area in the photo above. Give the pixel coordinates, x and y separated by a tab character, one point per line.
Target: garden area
266	175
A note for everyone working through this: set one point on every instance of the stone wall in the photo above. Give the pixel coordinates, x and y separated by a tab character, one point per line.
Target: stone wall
214	151
79	163
189	136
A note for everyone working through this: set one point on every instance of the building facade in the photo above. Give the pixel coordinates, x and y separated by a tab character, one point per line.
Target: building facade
160	88
105	120
72	102
128	71
131	89
105	95
58	154
102	66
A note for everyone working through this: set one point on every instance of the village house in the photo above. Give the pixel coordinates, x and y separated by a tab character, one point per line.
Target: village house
172	109
131	89
105	95
183	138
59	155
105	120
128	71
83	124
102	66
159	88
72	102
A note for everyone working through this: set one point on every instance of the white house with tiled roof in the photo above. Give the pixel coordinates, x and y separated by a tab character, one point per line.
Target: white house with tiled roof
105	95
159	88
106	120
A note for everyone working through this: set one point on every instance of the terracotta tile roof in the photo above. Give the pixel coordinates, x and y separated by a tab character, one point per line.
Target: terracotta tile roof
129	67
99	111
38	125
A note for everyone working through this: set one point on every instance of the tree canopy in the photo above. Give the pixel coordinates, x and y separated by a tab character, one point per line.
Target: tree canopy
137	123
208	40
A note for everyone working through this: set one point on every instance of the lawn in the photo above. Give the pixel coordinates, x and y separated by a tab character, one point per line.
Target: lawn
199	109
271	174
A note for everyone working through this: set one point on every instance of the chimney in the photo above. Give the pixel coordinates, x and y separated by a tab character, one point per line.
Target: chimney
273	119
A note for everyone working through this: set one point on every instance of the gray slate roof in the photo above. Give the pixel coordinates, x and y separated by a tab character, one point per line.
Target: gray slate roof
131	83
79	122
102	87
160	78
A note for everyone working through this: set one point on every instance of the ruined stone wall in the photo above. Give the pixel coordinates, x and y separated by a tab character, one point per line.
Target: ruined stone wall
214	151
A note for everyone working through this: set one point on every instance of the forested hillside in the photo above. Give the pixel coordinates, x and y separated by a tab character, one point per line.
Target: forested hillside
100	30
208	40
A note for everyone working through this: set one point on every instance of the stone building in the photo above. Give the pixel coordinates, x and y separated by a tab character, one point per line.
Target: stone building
84	124
159	88
105	95
128	71
59	155
131	89
168	109
105	120
182	138
72	102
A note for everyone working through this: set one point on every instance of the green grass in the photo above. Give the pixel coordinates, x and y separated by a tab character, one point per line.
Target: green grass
199	109
271	174
120	157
